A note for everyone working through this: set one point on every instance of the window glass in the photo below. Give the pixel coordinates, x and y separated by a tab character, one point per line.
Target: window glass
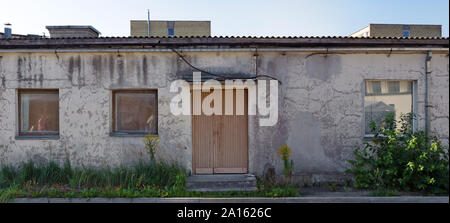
373	87
39	112
171	31
406	33
396	100
136	112
393	87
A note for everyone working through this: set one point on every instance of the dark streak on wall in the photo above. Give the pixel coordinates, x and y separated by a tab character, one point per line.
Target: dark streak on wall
111	67
120	67
19	68
70	76
144	69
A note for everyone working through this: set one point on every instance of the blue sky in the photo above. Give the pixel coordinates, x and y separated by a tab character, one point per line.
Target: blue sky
228	17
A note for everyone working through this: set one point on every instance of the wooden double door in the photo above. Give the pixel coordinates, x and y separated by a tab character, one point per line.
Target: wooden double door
220	142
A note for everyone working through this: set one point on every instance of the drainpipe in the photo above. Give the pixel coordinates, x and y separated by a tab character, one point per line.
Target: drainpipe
427	67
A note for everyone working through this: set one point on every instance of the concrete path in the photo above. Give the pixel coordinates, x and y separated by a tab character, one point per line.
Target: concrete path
398	199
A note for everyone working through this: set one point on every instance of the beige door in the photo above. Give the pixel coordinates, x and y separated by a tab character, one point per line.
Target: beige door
220	142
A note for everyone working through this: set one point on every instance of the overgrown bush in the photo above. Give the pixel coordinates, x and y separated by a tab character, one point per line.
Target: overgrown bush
401	159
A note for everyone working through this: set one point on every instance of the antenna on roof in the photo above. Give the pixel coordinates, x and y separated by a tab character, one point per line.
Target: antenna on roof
148	22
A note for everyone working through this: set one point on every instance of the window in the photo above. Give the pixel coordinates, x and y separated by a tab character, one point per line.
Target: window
373	88
406	33
38	112
393	87
171	31
397	99
135	112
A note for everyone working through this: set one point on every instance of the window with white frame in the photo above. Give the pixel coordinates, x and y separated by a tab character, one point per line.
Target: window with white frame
383	97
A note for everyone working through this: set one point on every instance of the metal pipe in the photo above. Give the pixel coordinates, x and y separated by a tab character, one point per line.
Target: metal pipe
427	65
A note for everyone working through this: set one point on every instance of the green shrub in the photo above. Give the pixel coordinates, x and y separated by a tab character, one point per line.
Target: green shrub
401	159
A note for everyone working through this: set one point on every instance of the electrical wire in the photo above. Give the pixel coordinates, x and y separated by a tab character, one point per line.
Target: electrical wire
218	75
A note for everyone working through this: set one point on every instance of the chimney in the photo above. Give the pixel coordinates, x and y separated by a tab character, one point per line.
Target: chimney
72	31
8	32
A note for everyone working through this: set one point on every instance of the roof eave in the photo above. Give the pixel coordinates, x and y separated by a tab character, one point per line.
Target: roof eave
173	42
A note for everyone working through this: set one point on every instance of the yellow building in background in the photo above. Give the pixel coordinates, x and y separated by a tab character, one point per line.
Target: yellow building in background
399	30
170	28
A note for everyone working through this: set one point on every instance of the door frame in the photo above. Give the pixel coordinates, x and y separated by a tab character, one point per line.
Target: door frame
219	170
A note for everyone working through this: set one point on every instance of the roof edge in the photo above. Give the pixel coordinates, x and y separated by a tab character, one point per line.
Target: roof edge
239	42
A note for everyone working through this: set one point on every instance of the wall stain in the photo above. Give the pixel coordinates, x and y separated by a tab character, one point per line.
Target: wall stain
138	71
144	69
19	69
120	69
41	72
29	65
97	65
71	64
80	77
3	82
111	67
323	67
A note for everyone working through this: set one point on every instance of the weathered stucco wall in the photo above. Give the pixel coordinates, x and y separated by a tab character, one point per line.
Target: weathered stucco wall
320	104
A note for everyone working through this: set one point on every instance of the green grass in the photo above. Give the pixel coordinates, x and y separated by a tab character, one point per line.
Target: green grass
152	179
13	192
384	193
10	193
139	175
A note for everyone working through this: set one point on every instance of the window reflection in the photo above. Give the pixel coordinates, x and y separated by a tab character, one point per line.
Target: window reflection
135	112
39	112
386	97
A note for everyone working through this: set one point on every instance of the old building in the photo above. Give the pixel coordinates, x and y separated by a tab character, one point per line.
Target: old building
91	100
160	28
399	30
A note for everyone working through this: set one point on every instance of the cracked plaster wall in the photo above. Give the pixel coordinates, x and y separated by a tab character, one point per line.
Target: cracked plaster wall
321	103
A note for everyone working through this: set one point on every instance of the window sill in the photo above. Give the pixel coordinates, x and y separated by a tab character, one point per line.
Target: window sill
369	137
123	134
37	137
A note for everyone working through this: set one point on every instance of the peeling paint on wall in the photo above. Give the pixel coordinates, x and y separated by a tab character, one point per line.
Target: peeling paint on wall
320	102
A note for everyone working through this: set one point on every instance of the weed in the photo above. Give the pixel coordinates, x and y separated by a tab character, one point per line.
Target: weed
332	187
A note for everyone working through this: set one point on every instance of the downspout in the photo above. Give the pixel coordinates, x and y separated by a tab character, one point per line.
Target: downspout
427	68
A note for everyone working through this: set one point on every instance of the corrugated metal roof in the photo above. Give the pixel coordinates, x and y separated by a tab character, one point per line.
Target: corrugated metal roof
227	41
242	37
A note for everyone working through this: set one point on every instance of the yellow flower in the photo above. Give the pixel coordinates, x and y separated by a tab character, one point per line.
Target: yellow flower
284	152
151	144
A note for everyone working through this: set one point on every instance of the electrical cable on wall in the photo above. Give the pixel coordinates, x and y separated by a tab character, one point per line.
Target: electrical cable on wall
218	75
